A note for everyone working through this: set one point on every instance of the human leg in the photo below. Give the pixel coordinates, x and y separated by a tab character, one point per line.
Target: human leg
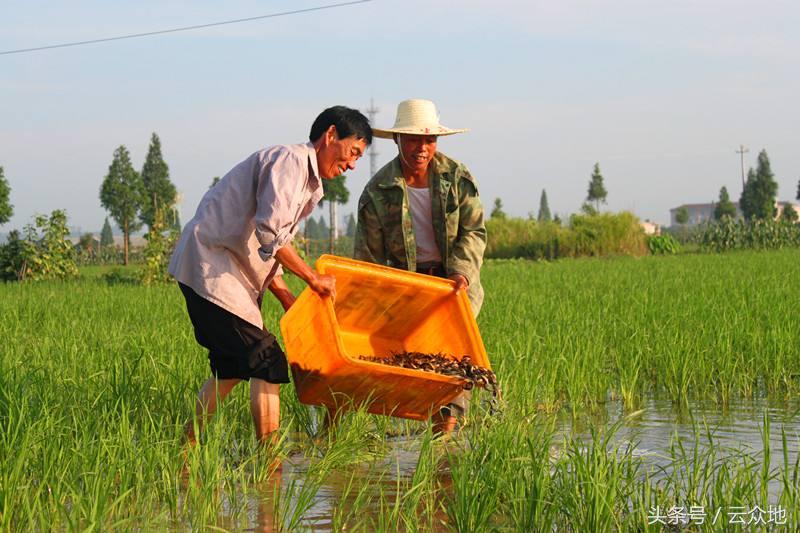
265	408
238	350
207	403
445	420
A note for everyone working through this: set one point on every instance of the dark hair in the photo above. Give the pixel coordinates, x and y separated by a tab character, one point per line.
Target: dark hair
347	121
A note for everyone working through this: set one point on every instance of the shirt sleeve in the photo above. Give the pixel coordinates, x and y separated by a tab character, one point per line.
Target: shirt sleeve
466	254
279	189
368	245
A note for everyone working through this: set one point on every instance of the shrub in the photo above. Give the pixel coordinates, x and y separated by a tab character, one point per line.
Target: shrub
158	251
42	252
663	244
122	276
608	234
587	235
516	237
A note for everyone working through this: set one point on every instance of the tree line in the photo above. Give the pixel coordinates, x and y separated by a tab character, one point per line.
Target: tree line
596	194
757	201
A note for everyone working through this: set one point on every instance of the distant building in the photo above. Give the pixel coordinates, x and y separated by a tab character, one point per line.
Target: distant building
699	213
650	228
795	206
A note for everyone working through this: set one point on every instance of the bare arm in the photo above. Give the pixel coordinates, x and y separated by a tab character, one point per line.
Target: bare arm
324	285
281	291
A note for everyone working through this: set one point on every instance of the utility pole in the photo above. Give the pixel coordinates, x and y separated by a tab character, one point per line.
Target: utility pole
373	154
741	151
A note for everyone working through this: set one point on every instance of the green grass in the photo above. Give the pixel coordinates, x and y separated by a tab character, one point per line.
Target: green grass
96	381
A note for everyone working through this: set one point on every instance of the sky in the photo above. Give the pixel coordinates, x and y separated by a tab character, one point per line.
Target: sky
660	94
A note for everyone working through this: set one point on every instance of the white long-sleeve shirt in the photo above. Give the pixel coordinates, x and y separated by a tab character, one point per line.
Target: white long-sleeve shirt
226	253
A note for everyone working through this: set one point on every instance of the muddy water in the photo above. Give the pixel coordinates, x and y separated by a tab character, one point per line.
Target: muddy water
735	428
341	487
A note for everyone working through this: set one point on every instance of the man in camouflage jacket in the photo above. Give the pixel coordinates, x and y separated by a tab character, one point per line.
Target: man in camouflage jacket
385	234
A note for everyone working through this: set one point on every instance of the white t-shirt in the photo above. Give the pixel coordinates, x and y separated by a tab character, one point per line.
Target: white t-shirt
419	202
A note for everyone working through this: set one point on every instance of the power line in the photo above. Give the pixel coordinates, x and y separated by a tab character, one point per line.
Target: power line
185	28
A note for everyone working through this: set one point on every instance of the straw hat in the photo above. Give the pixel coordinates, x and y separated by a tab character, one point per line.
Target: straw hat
416	117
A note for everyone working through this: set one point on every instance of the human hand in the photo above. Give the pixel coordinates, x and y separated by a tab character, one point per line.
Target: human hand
323	285
461	281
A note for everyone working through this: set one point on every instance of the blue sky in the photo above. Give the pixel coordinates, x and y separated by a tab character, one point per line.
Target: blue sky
661	94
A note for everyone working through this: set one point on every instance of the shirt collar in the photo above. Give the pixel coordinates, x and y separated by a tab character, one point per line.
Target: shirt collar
312	158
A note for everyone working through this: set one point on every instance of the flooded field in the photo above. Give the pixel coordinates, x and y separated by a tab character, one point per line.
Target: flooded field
654	394
734	434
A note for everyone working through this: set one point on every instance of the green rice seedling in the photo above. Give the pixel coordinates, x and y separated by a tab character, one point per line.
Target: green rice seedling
96	379
293	500
352	503
790	482
596	482
421	501
474	499
526	477
388	516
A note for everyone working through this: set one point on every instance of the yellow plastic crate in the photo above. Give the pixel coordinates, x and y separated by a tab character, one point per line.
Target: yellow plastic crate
378	311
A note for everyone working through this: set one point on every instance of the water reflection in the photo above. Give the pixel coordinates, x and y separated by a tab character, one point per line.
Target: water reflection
370	488
737	425
732	429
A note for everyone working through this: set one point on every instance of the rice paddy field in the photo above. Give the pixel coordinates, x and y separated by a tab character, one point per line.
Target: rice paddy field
652	394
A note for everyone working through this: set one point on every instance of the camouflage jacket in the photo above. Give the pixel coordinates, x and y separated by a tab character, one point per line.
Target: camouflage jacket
385	236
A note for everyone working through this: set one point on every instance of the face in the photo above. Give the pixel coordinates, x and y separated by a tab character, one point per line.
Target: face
337	156
416	151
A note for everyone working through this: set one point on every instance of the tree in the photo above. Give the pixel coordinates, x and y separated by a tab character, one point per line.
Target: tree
6	209
760	190
175	223
724	207
322	228
86	243
121	195
746	200
544	208
351	226
798	189
682	216
214	181
588	209
106	235
789	214
334	192
497	210
597	191
159	192
310	229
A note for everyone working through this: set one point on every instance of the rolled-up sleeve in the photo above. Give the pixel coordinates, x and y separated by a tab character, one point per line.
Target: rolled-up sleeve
280	181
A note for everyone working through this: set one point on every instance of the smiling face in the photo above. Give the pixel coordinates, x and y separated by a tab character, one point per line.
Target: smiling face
416	151
336	156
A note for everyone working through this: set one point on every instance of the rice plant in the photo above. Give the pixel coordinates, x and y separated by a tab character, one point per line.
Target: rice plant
97	381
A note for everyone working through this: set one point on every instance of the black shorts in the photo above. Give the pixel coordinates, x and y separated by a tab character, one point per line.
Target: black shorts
236	348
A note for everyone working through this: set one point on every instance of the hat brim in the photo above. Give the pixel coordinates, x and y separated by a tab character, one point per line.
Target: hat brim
439	131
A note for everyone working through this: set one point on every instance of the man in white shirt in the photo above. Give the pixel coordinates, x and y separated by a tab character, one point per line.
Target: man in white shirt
235	248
